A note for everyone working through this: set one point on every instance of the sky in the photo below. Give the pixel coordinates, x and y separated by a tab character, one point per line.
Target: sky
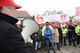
34	7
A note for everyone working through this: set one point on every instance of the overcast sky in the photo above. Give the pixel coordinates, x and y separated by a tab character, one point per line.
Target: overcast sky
40	6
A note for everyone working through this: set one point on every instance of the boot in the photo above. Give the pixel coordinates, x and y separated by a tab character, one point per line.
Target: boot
79	45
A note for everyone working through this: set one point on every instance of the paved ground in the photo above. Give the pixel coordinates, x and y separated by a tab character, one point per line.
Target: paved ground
67	49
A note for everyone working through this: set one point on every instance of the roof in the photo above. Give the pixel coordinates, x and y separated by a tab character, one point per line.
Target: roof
23	14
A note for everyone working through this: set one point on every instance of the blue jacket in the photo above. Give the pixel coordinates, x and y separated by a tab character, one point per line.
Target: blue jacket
48	33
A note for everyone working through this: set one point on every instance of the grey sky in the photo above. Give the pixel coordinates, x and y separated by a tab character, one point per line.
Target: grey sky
39	6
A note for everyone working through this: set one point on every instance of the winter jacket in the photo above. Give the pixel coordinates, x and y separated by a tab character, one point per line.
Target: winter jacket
72	28
11	40
60	34
44	27
77	29
48	33
55	36
64	32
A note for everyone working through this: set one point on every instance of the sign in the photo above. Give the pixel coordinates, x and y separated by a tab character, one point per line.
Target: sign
63	17
77	11
39	19
52	18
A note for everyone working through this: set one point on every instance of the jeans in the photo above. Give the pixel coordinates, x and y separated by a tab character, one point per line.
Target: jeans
58	45
77	40
78	37
61	41
47	44
37	45
72	40
64	39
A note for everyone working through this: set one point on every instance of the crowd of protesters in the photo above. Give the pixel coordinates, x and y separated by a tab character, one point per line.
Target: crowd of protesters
11	40
60	34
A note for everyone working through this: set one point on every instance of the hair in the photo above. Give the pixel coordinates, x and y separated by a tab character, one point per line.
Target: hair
47	22
0	9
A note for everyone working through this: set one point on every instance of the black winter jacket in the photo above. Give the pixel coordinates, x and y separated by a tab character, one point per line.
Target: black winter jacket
72	28
11	40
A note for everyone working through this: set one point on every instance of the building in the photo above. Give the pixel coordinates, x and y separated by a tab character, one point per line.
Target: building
22	15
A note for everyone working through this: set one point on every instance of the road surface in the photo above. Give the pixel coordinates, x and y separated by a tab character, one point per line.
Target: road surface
64	49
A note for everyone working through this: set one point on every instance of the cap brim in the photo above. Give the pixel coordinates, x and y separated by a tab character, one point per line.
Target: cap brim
15	5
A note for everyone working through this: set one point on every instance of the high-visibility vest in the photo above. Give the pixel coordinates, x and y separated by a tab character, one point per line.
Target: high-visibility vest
77	29
64	31
44	27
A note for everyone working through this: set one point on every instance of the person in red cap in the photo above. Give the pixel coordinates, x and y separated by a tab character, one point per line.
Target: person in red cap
71	34
55	37
60	34
11	40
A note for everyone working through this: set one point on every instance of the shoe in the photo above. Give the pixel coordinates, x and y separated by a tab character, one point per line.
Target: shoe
39	49
75	46
79	46
59	49
69	44
54	52
65	45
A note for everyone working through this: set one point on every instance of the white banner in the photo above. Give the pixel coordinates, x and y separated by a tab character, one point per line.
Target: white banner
52	18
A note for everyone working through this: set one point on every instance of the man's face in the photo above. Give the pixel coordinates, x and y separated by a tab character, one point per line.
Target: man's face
58	25
79	24
10	10
48	26
54	27
63	27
